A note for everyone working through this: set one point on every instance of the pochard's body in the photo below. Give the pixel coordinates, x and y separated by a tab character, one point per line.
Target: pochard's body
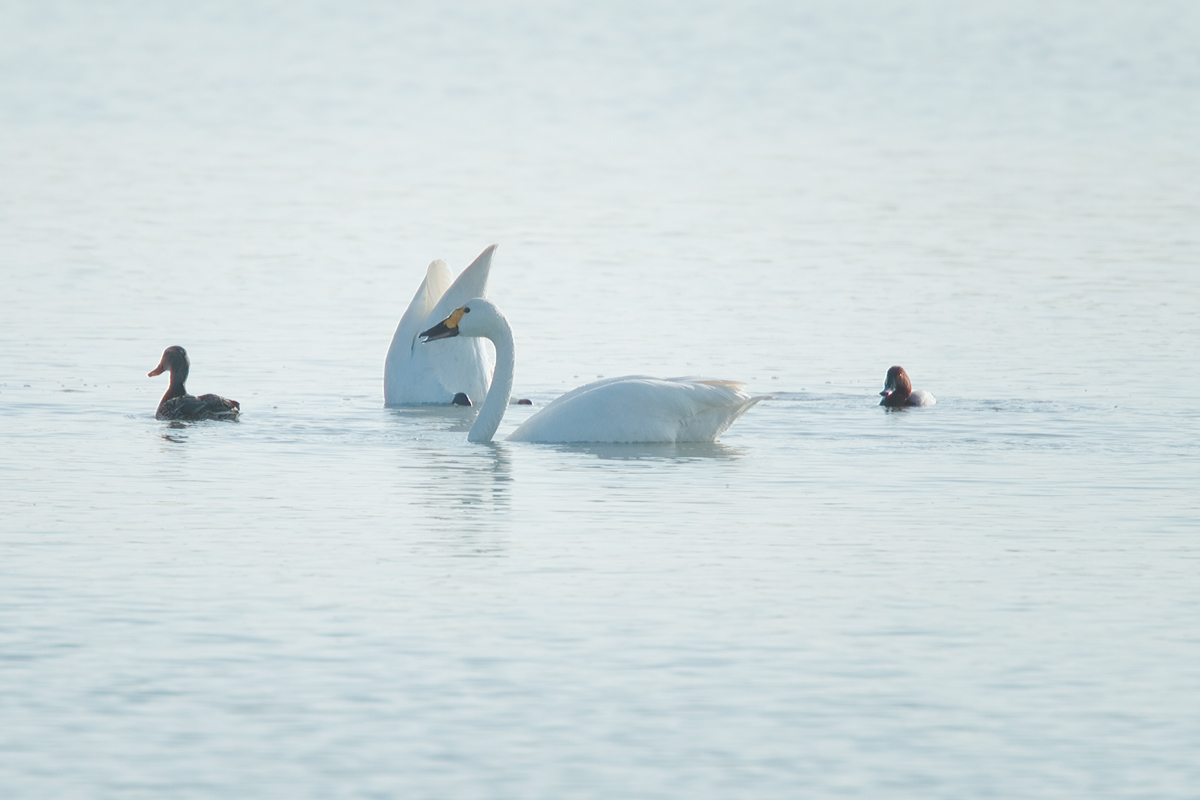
177	403
898	392
634	408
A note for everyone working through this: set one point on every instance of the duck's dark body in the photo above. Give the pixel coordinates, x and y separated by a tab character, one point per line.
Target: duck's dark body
178	404
190	407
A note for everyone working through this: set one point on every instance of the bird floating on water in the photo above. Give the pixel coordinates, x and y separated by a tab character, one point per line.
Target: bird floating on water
448	373
633	408
177	403
898	392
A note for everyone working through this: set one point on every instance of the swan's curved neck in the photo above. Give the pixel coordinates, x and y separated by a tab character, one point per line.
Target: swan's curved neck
496	402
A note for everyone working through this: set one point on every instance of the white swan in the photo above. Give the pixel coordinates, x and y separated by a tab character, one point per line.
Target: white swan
634	408
417	375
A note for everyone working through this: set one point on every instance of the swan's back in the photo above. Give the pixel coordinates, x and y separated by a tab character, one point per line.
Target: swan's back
638	408
414	374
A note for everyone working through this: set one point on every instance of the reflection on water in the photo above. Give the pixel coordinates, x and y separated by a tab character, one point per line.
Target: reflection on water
665	451
177	428
469	479
456	419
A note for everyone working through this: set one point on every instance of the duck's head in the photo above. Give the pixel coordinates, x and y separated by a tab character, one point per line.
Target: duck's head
896	382
476	318
174	359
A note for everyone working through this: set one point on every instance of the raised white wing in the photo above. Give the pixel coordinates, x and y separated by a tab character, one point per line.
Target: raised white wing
470	284
437	280
415	373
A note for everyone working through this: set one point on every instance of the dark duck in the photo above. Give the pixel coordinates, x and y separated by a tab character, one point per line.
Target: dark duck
177	403
898	392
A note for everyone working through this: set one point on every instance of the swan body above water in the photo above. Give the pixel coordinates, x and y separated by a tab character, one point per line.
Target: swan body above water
177	403
415	375
898	392
634	408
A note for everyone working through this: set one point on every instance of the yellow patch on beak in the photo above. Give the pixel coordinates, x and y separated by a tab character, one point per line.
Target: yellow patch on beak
452	320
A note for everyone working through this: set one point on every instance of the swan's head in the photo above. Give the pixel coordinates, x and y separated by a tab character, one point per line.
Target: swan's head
896	381
476	318
175	359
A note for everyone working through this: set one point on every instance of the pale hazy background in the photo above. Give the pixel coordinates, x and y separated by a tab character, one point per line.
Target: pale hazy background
995	597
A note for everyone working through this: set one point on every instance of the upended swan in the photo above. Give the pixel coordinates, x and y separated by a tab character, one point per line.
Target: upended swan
421	375
633	408
898	392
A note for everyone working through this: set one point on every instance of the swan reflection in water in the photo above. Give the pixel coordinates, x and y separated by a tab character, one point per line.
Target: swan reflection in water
679	452
457	481
423	419
464	491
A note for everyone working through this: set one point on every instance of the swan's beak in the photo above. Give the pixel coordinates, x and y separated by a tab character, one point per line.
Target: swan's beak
159	370
440	331
446	328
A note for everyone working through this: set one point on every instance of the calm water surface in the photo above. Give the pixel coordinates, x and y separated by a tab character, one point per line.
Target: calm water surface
994	597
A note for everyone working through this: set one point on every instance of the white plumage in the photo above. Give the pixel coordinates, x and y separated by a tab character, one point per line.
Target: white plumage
414	374
634	408
920	397
639	408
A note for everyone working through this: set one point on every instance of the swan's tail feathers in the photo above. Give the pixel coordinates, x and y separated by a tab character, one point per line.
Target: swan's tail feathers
404	340
720	404
470	284
737	386
709	426
437	280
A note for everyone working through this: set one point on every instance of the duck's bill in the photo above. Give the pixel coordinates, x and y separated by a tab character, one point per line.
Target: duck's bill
884	393
440	331
159	370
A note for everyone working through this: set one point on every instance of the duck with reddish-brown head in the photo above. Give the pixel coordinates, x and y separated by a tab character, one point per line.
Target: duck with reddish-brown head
898	392
177	403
